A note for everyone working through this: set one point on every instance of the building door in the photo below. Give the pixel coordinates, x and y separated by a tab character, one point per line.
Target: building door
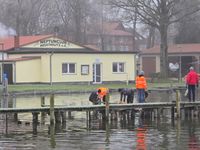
8	70
97	73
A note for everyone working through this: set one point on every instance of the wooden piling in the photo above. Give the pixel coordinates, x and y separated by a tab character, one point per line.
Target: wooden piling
69	114
63	116
52	135
107	106
43	114
52	117
6	124
172	111
178	99
15	117
35	122
57	115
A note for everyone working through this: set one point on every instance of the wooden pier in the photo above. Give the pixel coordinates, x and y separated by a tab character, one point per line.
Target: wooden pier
108	111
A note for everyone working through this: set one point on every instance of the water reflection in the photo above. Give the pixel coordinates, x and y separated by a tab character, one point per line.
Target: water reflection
124	132
140	134
193	143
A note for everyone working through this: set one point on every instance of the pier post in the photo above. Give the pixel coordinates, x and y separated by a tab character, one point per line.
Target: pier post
69	114
52	117
57	116
43	113
52	135
35	122
15	117
172	111
63	115
178	97
107	106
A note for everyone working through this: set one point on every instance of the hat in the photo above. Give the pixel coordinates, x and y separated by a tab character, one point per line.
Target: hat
191	68
141	72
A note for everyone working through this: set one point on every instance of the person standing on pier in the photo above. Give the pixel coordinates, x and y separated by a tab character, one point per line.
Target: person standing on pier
192	81
141	87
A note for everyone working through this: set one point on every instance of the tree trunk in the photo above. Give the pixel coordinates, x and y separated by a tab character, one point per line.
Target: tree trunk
163	52
78	22
151	37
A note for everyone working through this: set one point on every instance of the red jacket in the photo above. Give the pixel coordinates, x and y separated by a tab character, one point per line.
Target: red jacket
192	78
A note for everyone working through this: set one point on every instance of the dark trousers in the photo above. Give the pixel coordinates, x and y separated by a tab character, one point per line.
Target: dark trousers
191	92
141	95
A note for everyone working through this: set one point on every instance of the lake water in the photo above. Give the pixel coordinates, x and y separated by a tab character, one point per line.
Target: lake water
77	134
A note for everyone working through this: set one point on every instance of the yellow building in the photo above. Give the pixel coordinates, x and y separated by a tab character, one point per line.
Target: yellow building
49	59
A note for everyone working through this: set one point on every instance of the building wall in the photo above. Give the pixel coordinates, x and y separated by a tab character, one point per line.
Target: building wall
38	70
28	70
149	65
88	59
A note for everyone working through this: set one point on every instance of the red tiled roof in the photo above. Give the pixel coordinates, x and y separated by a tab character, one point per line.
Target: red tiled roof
176	48
110	28
21	58
94	47
8	42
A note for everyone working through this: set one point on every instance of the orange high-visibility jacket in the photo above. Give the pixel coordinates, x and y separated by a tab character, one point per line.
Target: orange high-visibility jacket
141	82
103	92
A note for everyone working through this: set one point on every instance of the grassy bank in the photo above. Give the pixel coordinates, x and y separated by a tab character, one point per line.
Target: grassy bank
69	87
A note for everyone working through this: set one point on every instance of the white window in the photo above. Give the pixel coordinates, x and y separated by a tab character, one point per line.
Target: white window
118	67
68	68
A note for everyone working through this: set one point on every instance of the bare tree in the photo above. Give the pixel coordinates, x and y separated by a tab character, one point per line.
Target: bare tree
73	14
22	16
159	14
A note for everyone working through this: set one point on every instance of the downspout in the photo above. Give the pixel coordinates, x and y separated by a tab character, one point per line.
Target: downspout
14	72
51	76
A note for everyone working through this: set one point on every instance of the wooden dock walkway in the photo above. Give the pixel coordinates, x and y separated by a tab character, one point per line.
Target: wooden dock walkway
155	105
108	111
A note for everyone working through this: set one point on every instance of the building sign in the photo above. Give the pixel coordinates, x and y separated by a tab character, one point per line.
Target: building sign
53	43
84	69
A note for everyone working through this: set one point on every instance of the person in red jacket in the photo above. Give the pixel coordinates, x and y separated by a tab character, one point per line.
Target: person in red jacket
192	81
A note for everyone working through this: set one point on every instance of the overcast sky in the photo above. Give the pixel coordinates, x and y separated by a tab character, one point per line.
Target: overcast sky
5	31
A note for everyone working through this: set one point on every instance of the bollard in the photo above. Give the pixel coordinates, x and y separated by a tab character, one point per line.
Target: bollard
52	117
178	103
107	106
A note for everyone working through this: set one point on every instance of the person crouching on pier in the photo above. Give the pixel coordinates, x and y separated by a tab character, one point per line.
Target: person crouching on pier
126	95
102	92
99	96
141	87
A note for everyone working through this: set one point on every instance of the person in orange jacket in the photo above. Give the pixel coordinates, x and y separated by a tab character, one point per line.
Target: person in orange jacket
102	92
141	87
